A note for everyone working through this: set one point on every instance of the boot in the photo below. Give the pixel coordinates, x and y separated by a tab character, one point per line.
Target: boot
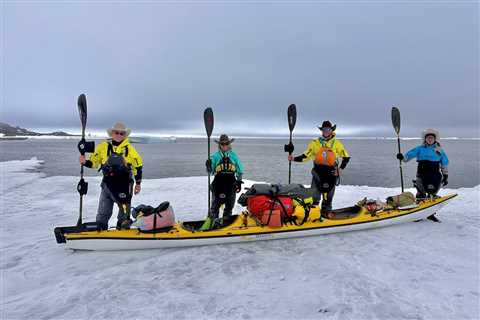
124	224
433	218
207	225
101	226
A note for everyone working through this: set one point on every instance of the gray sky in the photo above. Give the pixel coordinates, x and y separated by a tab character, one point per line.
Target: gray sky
157	65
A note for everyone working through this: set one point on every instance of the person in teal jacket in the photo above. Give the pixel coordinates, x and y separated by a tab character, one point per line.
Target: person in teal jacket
432	170
228	171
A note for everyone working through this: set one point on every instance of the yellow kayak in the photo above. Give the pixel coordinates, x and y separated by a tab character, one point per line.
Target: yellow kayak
243	228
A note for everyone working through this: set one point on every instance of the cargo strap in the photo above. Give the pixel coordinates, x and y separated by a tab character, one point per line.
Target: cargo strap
306	210
284	216
274	198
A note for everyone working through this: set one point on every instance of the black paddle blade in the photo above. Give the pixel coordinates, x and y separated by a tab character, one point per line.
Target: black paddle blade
208	119
82	109
396	119
292	116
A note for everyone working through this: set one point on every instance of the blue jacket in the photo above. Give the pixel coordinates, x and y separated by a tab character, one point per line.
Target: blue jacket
429	153
216	158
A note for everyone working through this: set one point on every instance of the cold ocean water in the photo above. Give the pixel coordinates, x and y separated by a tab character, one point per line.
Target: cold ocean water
373	161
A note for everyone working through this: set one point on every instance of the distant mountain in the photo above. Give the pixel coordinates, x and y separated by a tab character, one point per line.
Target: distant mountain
8	130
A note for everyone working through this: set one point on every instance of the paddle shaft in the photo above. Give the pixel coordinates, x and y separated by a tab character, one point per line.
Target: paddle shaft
292	120
396	122
400	162
80	210
82	109
290	163
79	222
209	187
209	122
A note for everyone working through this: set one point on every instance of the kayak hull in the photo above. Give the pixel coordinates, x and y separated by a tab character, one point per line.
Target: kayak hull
238	232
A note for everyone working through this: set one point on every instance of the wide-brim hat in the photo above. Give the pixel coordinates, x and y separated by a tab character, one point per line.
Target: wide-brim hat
430	132
224	139
327	124
119	126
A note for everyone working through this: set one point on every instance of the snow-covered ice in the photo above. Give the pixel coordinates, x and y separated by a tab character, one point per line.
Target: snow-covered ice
421	270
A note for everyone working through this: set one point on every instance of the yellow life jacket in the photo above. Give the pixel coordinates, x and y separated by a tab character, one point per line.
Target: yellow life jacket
226	166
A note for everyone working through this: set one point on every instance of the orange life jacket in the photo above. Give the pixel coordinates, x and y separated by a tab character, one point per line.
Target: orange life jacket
325	157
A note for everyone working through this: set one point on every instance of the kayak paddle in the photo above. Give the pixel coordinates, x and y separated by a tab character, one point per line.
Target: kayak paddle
396	126
82	186
292	119
208	120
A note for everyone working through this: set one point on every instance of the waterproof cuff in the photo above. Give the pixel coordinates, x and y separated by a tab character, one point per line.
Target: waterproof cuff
88	164
300	158
344	163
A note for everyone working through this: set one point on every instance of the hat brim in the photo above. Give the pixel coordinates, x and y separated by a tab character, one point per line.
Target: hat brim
333	128
110	131
229	141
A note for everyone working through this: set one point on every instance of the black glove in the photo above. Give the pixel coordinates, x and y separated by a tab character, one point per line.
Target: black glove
445	180
400	156
238	185
208	165
289	148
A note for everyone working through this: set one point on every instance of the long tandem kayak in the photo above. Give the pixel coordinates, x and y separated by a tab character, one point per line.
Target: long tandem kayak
242	228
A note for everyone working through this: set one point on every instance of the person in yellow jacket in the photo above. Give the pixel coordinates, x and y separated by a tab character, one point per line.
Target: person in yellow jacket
325	152
120	164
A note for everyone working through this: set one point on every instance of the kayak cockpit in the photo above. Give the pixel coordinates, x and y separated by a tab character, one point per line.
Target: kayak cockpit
342	213
219	224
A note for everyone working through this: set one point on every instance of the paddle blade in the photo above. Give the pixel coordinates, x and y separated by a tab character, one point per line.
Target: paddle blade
292	116
208	119
82	109
396	119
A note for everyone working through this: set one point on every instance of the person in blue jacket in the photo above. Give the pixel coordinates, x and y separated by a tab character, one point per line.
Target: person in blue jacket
432	170
228	171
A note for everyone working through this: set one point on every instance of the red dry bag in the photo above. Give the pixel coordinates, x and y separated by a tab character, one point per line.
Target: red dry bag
257	205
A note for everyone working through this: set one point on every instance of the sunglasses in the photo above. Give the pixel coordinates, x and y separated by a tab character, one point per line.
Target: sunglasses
120	133
225	143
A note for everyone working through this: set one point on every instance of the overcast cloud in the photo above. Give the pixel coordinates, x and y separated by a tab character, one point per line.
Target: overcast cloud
157	65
